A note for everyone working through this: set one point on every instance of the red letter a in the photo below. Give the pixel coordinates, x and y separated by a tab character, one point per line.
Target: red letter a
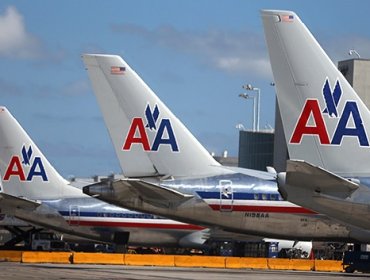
137	123
311	107
18	171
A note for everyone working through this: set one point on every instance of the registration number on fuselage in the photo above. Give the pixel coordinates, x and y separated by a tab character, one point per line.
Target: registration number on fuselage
256	215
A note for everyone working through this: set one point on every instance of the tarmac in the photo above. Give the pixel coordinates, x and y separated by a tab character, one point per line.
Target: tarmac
20	271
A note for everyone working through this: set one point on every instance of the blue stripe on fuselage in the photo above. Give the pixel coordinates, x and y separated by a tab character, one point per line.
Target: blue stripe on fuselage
113	215
241	196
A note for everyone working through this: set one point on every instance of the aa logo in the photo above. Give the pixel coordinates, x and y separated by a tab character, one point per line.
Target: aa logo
25	168
348	121
161	129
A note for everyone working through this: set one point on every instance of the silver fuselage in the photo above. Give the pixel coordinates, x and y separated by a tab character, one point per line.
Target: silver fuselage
89	218
242	203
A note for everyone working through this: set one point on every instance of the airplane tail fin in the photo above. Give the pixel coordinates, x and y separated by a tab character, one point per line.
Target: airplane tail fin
325	122
25	172
148	139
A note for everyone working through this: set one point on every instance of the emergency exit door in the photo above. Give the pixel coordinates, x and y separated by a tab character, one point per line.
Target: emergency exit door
226	196
74	215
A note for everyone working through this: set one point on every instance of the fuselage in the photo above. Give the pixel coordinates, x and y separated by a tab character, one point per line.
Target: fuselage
243	203
106	220
82	218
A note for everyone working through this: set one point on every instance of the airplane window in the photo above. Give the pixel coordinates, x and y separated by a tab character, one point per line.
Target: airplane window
256	196
264	196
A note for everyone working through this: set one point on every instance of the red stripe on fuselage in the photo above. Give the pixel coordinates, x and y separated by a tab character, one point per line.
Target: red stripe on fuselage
269	209
138	225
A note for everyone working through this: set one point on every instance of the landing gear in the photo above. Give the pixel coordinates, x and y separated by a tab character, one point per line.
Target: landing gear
20	235
121	239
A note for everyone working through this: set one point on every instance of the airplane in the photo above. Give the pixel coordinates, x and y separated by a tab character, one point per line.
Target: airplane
34	192
326	125
169	173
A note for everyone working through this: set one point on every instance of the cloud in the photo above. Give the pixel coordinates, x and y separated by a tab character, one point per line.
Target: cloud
236	52
233	52
15	41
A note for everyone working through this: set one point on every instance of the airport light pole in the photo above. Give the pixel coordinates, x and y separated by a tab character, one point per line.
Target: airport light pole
258	91
247	96
354	52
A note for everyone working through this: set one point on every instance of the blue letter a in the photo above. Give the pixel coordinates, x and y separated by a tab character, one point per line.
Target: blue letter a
171	140
350	109
40	172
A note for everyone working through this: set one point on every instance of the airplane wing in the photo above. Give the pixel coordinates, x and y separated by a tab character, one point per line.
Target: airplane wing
305	175
132	188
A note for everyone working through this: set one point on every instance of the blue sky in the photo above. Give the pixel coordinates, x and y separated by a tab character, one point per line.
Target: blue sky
195	55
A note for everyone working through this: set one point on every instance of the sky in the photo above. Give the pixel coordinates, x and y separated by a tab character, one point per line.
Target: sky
195	54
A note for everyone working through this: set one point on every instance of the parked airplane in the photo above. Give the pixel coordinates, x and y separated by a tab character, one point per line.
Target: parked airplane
33	191
55	204
326	125
171	174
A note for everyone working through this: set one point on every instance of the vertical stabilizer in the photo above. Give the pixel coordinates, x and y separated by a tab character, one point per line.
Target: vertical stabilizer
325	122
25	172
148	139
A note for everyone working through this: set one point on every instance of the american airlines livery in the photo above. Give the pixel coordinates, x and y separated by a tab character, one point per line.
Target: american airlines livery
169	173
33	191
326	125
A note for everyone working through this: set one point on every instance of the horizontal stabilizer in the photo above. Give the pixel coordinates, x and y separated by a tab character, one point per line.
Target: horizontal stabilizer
321	181
151	193
8	203
122	191
42	215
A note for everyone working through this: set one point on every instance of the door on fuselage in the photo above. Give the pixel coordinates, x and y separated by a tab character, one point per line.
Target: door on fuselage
226	195
74	215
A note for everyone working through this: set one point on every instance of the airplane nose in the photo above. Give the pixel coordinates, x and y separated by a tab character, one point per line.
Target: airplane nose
281	179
